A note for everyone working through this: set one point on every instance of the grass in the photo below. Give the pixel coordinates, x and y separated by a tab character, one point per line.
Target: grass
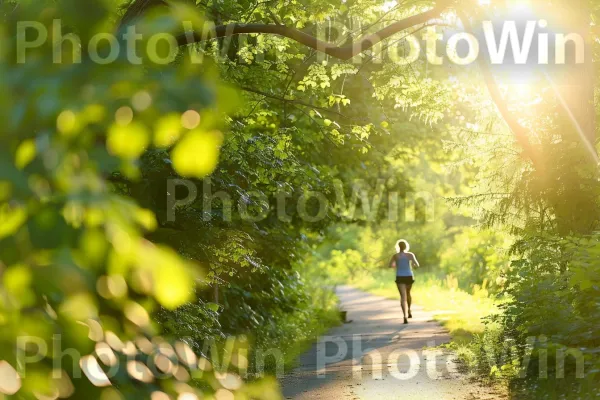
325	320
457	310
296	332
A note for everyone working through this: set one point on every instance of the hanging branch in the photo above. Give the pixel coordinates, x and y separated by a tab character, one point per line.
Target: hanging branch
345	52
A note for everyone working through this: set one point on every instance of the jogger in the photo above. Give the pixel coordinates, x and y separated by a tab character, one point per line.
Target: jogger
403	261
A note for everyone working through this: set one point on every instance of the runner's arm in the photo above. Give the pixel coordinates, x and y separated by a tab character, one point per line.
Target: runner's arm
415	261
392	262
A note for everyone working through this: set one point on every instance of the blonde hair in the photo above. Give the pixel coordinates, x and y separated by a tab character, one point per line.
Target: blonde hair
405	245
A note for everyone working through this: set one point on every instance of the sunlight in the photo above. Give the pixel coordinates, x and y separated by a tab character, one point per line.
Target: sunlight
522	89
389	5
521	83
519	5
511	4
589	146
450	18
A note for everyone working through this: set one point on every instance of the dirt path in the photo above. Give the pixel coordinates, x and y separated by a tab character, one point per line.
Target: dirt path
377	357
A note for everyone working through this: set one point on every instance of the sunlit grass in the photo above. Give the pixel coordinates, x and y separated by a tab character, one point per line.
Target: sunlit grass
457	310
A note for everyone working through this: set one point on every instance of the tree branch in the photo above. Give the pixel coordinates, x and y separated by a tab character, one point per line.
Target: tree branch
139	7
345	53
341	52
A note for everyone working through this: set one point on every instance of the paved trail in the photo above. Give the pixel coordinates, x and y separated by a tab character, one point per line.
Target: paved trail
377	357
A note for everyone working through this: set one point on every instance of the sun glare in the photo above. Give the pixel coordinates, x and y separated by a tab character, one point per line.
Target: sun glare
388	5
522	89
519	5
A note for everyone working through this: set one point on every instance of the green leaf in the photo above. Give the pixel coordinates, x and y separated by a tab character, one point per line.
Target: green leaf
167	130
127	141
11	219
25	153
196	155
173	284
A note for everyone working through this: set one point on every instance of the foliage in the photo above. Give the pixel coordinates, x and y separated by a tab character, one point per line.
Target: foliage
477	257
76	265
89	230
553	310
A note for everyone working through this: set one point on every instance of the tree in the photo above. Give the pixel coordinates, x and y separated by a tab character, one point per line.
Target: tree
76	164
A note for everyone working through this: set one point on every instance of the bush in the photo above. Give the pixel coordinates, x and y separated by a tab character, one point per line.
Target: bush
548	329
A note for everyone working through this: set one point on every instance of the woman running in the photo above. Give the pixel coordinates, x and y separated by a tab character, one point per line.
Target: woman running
403	261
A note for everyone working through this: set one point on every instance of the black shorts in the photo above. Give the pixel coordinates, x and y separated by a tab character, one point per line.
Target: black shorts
407	280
